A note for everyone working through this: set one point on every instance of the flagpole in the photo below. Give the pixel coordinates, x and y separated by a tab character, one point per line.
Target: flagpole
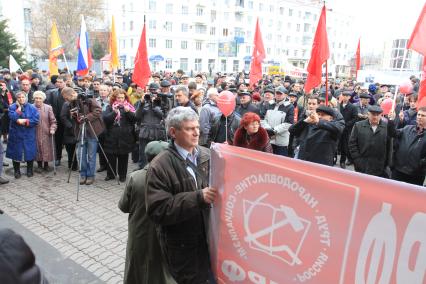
66	62
326	82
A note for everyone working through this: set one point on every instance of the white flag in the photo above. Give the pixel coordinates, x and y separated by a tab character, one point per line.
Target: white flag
13	65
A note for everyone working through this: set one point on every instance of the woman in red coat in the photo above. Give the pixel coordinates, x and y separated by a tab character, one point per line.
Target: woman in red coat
251	135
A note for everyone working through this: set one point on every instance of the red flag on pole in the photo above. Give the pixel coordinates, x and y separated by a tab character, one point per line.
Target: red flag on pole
142	71
257	57
358	58
417	42
319	54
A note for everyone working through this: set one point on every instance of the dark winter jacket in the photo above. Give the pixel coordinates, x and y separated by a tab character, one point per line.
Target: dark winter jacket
21	144
69	125
410	152
217	131
151	122
370	150
93	114
144	261
119	137
318	143
175	202
350	115
209	112
258	141
410	118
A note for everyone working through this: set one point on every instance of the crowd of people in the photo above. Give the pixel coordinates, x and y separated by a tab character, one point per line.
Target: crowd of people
169	196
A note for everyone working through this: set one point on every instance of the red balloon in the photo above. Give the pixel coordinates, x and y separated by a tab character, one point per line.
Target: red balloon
386	106
226	102
406	88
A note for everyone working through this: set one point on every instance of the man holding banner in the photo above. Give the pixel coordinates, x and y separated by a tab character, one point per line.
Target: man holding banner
178	198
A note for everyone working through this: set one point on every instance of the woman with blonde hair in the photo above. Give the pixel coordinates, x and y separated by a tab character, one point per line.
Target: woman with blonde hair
45	130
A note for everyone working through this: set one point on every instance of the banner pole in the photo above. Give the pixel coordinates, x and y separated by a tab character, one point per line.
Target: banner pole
326	82
66	63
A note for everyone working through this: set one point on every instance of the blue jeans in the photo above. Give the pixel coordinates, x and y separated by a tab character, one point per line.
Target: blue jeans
88	162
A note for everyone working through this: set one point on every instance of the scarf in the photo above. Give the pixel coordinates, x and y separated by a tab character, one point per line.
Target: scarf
116	105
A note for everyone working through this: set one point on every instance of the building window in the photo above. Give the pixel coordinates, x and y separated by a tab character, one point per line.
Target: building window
123	43
152	42
238	32
200	29
270	23
184	28
281	10
124	26
298	28
269	36
169	8
248	49
238	17
169	63
198	45
271	8
226	16
307	15
223	65
213	15
211	65
306	27
184	64
287	39
212	30
225	32
169	43
152	24
185	10
268	50
249	19
290	12
183	44
131	43
295	53
123	9
288	25
250	4
168	26
212	47
198	64
131	25
200	11
236	66
260	7
152	5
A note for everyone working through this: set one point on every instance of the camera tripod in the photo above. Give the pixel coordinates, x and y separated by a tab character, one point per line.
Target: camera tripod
81	138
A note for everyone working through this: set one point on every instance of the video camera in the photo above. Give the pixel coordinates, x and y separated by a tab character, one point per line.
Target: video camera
76	107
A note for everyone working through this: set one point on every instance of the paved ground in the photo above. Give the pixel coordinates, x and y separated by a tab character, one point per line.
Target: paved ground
87	236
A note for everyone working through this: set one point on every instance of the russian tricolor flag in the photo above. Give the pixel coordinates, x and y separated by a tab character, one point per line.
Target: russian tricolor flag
84	61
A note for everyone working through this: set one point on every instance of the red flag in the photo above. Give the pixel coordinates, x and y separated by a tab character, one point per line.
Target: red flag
319	54
358	58
142	71
417	42
257	57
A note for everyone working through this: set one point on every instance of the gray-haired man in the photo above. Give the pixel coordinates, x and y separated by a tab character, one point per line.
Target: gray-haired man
178	198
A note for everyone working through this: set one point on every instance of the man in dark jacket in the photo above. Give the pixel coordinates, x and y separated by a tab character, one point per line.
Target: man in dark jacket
86	110
410	154
144	261
178	198
149	115
246	104
56	100
318	135
350	115
182	96
370	144
220	133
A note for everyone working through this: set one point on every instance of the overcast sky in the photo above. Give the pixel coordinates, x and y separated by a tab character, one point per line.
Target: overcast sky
377	20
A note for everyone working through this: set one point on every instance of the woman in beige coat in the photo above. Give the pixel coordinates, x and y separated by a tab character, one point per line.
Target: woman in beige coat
44	132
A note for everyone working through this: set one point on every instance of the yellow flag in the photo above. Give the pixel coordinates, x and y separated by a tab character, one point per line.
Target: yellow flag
55	50
113	46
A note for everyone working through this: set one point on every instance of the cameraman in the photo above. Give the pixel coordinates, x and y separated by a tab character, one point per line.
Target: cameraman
150	115
82	110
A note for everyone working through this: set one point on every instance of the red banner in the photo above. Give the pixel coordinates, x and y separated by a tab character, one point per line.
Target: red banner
281	220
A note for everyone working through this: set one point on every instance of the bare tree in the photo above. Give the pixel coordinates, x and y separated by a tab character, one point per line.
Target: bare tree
67	14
